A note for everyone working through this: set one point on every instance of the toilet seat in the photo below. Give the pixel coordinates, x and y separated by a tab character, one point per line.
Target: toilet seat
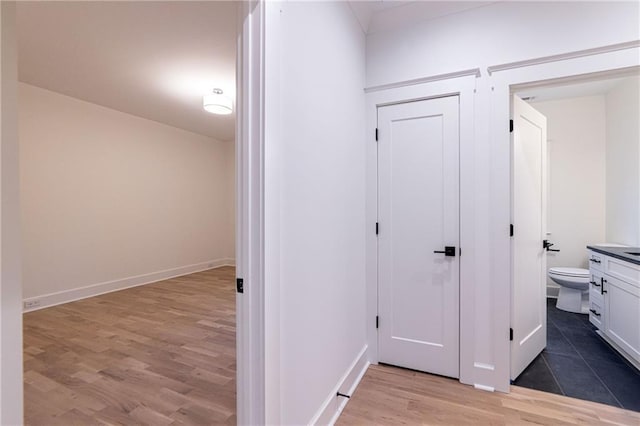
570	272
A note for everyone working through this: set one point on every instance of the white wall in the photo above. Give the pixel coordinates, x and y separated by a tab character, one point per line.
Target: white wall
108	197
576	131
315	171
623	163
492	35
11	400
501	32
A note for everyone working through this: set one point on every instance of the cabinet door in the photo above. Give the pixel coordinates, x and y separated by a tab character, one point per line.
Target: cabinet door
622	315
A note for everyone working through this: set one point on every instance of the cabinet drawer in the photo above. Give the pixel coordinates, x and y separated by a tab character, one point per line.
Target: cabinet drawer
596	261
596	296
595	286
596	314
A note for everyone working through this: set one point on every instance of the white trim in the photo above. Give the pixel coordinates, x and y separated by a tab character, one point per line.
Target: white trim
272	212
79	293
250	305
484	387
552	291
448	76
464	87
564	56
334	404
11	383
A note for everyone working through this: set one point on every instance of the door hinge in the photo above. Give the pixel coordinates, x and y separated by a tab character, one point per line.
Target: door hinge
511	230
377	228
240	285
377	321
376	134
510	126
511	334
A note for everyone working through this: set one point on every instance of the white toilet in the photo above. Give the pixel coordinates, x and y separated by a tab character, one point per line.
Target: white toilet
574	289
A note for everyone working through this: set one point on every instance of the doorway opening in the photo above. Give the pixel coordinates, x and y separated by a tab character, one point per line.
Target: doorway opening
576	184
128	211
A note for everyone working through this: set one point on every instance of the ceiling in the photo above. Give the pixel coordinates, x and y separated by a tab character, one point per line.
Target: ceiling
151	59
384	15
156	59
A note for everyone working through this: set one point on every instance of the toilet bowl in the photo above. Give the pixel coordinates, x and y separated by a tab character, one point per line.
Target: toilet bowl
574	289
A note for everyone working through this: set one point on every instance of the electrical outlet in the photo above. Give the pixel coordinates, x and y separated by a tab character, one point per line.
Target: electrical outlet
30	304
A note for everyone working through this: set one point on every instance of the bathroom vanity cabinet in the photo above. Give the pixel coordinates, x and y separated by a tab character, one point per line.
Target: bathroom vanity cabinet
614	298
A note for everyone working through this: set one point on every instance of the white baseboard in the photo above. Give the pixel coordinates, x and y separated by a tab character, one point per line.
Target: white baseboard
66	296
334	404
553	291
484	387
227	261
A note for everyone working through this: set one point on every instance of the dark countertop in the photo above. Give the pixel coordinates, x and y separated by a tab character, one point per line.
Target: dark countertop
619	252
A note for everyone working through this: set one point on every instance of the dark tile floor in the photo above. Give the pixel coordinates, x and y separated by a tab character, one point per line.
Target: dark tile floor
578	363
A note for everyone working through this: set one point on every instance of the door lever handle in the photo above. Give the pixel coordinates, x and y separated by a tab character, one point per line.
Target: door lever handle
448	251
546	244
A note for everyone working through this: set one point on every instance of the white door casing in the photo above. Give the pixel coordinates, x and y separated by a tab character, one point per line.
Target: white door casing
529	264
418	213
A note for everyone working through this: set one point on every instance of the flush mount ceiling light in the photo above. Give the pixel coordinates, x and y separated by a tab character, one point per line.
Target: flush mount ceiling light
217	103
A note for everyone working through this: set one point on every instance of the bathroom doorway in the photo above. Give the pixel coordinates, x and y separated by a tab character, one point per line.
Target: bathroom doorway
592	139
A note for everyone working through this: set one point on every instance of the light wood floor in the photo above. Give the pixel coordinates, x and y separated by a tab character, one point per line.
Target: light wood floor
394	396
159	354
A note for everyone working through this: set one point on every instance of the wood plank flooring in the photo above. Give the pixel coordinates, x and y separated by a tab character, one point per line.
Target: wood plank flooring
394	396
159	354
164	354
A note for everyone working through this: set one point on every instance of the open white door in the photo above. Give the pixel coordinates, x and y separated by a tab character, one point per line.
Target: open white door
529	303
418	213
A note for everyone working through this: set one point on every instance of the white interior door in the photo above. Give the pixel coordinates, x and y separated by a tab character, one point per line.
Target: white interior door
418	214
529	303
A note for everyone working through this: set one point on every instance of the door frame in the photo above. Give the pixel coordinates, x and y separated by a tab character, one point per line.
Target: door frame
11	384
250	305
506	79
463	85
